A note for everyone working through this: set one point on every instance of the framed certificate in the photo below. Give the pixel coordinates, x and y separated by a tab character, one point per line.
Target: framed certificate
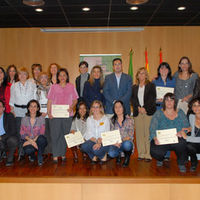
111	137
161	91
167	136
60	111
74	139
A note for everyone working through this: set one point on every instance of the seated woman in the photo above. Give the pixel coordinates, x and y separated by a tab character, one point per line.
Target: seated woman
79	124
122	122
96	124
167	118
193	141
32	132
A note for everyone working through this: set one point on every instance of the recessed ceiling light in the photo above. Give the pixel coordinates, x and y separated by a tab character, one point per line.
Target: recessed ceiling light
86	9
39	10
181	8
134	8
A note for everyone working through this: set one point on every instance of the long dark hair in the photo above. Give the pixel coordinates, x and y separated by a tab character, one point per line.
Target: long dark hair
114	118
16	74
170	96
66	72
4	83
38	113
191	103
165	64
77	115
190	71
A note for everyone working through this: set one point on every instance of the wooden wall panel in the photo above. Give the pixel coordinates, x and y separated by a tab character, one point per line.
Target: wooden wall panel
24	46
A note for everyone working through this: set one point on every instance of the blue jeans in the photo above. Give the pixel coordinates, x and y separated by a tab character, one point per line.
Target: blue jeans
87	147
41	143
125	146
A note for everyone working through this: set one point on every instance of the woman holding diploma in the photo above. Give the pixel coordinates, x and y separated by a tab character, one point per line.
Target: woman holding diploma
144	105
96	124
122	122
185	79
193	141
79	124
169	118
32	132
62	93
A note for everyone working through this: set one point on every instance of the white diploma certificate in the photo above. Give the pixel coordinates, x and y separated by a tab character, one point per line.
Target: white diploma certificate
167	136
74	139
161	91
111	137
60	111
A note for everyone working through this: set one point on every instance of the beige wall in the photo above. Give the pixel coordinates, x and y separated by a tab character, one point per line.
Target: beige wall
24	47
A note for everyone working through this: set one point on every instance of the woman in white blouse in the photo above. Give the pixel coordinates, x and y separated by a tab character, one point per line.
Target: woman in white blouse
96	124
21	93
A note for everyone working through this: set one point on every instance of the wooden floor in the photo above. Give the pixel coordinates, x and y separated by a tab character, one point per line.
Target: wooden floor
83	171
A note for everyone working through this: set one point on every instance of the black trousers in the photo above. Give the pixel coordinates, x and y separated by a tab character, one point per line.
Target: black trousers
158	151
193	149
9	143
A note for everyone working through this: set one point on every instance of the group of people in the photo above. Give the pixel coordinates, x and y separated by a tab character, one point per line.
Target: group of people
101	105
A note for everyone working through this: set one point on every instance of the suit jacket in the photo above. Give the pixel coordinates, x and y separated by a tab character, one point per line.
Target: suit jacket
149	99
9	124
78	84
112	92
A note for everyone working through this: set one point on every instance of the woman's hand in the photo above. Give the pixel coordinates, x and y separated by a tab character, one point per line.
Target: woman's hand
186	98
156	141
97	146
44	114
117	145
70	109
126	138
72	131
50	116
159	100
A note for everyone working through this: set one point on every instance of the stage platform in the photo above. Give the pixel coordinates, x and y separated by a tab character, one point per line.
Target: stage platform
83	181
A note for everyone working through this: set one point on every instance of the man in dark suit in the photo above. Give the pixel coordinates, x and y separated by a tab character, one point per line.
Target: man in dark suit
117	86
8	135
80	80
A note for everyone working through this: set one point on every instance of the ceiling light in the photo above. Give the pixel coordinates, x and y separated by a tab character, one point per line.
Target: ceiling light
136	2
39	10
34	2
86	9
134	8
181	8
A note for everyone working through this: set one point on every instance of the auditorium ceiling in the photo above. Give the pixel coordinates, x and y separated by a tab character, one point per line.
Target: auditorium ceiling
102	13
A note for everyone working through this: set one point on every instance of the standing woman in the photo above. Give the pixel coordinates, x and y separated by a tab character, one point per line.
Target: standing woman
144	105
12	74
62	93
53	69
36	70
185	79
122	122
41	96
4	90
97	123
21	93
32	132
93	87
164	79
79	124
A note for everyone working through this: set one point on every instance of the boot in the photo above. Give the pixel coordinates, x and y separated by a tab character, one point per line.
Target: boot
75	154
127	158
118	159
84	155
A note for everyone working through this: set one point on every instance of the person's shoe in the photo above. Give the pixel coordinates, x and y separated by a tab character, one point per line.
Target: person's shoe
159	163
118	159
182	168
193	168
64	159
40	163
139	159
9	163
147	159
84	155
127	158
166	159
31	159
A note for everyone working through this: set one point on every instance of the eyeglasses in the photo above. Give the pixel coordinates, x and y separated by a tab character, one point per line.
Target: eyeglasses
95	107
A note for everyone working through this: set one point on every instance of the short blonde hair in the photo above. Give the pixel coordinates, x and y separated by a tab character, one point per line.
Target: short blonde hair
146	75
100	105
23	69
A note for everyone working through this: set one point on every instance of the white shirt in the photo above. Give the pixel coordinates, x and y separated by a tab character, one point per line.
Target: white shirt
20	95
141	95
94	128
118	79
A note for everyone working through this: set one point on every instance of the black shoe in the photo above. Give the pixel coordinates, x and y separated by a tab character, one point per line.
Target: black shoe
118	159
9	163
193	168
31	159
147	160
127	158
40	163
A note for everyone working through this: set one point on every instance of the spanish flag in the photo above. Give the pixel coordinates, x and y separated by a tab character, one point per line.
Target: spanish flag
146	61
161	60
